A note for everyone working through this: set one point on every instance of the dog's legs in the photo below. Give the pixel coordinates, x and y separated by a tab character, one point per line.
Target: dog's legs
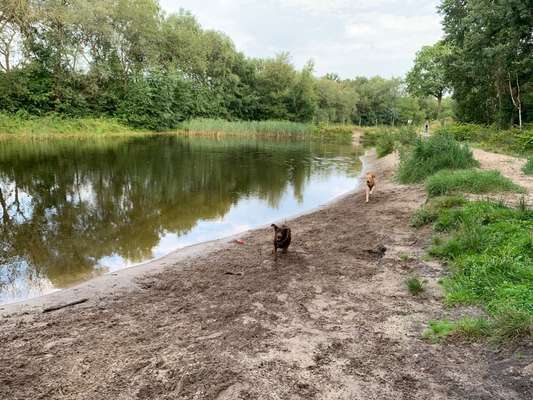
372	190
275	253
367	193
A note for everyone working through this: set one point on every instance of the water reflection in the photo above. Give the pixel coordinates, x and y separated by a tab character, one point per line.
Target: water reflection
72	210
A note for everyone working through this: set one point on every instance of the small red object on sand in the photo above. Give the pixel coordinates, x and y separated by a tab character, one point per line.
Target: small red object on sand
240	241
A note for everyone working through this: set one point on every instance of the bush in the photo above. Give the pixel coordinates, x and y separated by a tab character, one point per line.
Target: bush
469	181
386	140
464	132
508	141
431	155
384	145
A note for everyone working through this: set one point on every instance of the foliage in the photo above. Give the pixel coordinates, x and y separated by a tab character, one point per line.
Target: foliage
512	141
428	156
447	182
490	64
129	60
428	75
386	140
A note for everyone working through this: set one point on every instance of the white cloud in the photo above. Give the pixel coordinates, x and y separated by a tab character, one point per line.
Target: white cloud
350	37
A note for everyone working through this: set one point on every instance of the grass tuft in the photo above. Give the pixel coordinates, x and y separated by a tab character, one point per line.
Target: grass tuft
469	181
431	155
435	207
414	285
438	330
467	328
528	167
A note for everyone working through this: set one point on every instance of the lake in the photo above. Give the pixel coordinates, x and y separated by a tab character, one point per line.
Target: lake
72	209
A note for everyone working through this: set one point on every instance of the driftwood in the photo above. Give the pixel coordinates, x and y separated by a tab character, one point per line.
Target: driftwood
55	308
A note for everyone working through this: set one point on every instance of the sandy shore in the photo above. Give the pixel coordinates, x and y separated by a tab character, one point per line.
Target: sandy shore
332	319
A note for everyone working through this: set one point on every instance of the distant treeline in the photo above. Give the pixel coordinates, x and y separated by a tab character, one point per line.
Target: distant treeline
129	60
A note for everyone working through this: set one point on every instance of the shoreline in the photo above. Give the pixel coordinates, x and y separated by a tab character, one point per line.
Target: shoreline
331	319
124	279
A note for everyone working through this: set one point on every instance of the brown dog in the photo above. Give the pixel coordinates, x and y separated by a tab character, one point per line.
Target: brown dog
282	238
370	184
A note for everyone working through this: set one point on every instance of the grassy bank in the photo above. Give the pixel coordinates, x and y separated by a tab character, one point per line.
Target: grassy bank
487	246
489	250
56	125
473	181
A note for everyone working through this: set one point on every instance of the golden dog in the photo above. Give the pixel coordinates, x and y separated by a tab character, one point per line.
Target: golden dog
370	184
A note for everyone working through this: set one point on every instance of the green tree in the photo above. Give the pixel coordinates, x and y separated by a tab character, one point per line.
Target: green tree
428	75
490	66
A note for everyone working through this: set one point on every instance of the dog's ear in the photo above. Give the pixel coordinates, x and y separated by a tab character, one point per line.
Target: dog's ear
274	226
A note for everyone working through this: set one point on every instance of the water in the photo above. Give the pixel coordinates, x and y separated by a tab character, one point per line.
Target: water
74	209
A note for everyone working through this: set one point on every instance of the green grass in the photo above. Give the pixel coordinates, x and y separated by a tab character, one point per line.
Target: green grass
528	167
474	181
213	126
428	156
467	328
489	248
414	285
56	125
438	330
430	212
404	257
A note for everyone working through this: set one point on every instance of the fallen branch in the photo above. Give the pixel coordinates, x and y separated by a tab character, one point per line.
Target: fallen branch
55	308
233	273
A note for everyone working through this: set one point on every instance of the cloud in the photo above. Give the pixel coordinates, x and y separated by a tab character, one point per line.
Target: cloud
349	37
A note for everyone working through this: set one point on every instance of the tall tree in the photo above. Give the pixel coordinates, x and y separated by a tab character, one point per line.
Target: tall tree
428	75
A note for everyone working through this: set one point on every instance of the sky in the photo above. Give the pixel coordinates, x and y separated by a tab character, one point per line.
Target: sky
347	37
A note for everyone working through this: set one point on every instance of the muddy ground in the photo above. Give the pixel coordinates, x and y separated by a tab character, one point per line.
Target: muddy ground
332	319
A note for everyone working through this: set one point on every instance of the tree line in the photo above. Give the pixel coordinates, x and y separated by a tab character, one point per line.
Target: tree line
485	60
129	59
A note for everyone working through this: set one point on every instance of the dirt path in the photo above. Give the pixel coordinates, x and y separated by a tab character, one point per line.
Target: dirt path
510	167
330	320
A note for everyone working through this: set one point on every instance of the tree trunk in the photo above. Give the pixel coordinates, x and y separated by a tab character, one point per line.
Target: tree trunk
516	99
5	215
439	105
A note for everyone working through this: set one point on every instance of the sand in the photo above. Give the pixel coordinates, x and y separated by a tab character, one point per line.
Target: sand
332	319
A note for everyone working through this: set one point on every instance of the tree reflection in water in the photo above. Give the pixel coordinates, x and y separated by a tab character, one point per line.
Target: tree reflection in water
66	205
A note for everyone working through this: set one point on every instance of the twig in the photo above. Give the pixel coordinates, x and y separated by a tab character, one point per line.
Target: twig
55	308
